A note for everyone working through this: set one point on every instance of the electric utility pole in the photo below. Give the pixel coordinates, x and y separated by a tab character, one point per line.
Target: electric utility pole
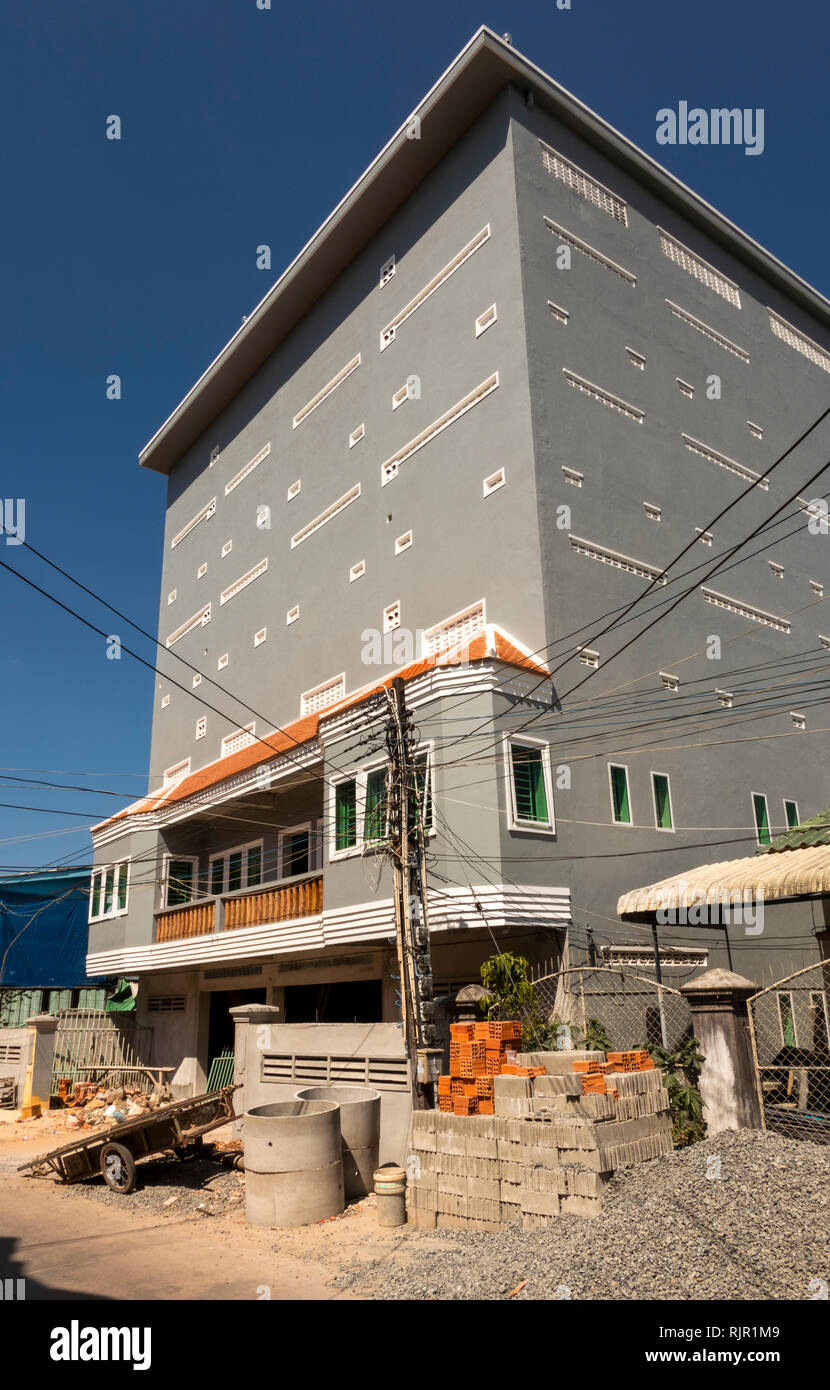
406	845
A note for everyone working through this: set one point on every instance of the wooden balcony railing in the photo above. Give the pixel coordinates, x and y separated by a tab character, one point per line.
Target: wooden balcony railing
196	919
269	903
276	904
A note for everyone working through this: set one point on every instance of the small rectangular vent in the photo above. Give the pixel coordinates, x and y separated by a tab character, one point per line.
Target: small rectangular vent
700	269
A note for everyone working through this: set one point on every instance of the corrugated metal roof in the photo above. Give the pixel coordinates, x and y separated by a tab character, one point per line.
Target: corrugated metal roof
792	875
807	835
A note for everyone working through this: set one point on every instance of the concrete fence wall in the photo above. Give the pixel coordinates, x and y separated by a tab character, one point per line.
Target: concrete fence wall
274	1060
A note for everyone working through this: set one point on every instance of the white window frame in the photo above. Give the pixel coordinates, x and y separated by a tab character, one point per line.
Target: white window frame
165	879
100	871
624	824
548	828
226	854
790	801
664	829
573	476
787	994
282	836
799	720
765	798
360	777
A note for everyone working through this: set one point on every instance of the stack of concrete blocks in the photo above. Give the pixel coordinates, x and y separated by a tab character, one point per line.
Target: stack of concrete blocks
548	1150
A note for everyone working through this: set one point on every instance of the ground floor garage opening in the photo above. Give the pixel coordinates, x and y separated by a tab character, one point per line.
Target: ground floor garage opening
338	1001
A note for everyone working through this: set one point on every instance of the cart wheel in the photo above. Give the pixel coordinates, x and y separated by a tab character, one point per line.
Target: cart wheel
187	1152
118	1168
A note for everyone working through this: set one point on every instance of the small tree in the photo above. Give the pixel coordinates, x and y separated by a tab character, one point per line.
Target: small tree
510	995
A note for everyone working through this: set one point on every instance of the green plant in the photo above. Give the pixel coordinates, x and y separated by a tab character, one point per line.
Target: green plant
595	1038
681	1073
510	995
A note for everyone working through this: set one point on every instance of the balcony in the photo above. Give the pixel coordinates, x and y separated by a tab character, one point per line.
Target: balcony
252	907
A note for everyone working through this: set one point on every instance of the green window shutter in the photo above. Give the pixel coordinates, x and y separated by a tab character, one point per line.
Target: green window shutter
785	1010
179	882
761	819
420	796
619	794
345	816
123	870
791	810
529	785
234	871
254	866
662	802
374	815
96	895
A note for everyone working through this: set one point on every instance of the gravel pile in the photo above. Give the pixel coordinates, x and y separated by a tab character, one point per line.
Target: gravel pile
169	1187
668	1230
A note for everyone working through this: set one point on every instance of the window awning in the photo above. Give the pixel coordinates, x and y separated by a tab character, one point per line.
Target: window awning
791	874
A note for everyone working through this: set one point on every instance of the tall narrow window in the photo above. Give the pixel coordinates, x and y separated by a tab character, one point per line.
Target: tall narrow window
295	852
791	812
374	812
420	793
254	865
530	792
620	801
787	1020
345	816
759	806
662	801
234	871
180	875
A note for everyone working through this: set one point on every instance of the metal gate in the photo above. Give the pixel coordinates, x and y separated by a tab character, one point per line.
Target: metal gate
91	1045
789	1025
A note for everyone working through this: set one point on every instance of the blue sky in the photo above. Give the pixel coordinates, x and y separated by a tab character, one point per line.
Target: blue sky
243	126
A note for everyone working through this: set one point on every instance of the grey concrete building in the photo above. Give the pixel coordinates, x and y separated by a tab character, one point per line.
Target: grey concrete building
514	373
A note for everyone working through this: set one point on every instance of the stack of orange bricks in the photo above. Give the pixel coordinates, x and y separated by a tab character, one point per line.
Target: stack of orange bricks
478	1053
594	1073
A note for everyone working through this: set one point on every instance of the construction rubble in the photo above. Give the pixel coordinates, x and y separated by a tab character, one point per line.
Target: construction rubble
521	1137
89	1105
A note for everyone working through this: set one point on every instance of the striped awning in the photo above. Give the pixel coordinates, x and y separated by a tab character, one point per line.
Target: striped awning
791	874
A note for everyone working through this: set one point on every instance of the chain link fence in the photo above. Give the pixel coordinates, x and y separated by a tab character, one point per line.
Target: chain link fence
789	1024
627	1009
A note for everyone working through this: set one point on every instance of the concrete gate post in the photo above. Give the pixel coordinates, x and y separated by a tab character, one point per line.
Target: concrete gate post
38	1082
252	1023
720	1023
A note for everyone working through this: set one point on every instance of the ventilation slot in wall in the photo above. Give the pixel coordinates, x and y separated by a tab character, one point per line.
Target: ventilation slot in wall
326	391
242	738
744	610
484	321
323	695
243	581
724	461
700	269
327	515
583	184
791	336
604	397
200	516
249	468
571	239
617	561
388	333
453	631
198	620
493	483
710	333
389	470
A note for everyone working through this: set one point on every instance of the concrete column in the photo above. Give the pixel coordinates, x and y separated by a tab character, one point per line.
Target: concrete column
719	1022
38	1083
252	1024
